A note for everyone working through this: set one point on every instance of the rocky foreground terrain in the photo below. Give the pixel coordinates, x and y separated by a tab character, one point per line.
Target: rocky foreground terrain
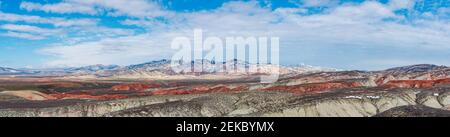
418	91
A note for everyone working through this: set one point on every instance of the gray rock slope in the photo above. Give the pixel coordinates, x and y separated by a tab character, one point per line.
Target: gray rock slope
348	103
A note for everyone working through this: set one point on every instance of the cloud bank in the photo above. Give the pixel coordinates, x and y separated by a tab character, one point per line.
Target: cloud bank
348	35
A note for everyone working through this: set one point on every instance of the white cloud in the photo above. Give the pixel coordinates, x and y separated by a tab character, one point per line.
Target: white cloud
122	51
401	4
366	11
320	3
90	33
146	23
29	29
67	30
133	8
290	11
30	32
23	35
62	26
369	24
59	8
62	22
59	22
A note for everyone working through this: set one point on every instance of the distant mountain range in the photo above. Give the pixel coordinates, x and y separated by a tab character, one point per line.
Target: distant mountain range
163	68
414	69
199	67
6	71
58	71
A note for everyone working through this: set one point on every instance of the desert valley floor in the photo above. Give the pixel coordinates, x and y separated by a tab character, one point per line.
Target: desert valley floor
417	90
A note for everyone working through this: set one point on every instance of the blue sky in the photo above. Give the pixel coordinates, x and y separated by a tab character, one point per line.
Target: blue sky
345	34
